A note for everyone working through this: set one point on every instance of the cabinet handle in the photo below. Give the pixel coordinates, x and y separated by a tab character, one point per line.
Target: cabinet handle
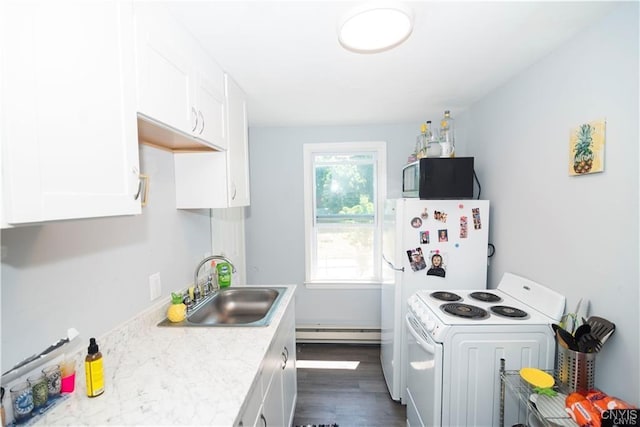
143	189
195	114
264	420
284	361
286	350
139	189
235	192
202	117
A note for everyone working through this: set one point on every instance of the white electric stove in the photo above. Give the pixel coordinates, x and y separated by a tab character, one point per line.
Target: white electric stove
456	341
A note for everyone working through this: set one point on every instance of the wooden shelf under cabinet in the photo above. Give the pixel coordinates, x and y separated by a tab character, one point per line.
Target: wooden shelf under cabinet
165	138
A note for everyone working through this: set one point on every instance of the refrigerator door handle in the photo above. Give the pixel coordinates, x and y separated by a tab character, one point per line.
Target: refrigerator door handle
393	267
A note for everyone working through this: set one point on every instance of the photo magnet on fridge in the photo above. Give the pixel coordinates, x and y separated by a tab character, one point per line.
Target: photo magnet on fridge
440	216
437	265
424	237
477	223
443	235
464	231
416	222
416	259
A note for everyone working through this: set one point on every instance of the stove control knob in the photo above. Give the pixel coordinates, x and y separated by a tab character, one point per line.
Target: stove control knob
430	325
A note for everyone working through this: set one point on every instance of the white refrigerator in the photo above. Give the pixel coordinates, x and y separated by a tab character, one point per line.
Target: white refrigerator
427	244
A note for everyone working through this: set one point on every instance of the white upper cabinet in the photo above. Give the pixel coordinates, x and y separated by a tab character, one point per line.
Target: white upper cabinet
68	119
210	102
238	152
178	85
207	180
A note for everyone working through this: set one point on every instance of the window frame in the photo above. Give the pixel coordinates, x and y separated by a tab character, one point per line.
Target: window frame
311	149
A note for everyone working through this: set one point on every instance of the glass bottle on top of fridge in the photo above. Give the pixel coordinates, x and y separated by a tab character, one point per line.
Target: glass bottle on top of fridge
433	145
421	142
447	141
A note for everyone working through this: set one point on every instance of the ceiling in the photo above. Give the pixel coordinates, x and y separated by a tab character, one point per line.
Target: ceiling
287	58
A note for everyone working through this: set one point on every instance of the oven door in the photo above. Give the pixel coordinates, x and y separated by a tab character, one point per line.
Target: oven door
424	376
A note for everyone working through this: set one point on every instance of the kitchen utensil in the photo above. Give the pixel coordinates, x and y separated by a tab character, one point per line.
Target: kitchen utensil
568	339
606	337
537	378
587	343
582	311
583	329
601	327
560	340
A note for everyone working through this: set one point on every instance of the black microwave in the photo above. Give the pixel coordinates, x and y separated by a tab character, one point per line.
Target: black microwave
439	178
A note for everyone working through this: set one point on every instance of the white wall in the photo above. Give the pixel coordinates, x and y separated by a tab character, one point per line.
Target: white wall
275	221
577	235
93	274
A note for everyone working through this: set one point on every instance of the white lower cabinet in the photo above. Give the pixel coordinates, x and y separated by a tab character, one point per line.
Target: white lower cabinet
277	385
289	375
68	122
272	414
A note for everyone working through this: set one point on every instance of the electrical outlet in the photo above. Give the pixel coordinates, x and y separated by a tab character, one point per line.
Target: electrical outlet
155	286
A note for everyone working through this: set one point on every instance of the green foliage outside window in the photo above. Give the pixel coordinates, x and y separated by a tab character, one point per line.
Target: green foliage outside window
344	190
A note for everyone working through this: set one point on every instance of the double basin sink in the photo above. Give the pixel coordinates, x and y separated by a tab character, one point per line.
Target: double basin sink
240	306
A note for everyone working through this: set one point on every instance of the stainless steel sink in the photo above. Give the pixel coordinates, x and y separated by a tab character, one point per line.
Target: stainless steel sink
239	306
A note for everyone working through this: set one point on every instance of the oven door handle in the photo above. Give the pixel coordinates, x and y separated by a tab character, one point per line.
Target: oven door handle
426	345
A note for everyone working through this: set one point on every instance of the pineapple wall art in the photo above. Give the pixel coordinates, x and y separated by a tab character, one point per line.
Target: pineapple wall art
586	148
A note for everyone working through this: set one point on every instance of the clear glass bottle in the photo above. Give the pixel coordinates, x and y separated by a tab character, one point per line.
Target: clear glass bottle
421	142
433	145
417	150
447	138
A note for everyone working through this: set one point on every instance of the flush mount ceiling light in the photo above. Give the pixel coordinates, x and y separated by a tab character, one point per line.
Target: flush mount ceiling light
375	27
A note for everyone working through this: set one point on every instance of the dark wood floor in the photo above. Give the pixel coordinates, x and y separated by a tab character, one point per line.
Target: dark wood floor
348	398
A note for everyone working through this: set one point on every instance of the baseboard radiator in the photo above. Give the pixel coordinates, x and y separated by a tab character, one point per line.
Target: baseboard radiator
337	334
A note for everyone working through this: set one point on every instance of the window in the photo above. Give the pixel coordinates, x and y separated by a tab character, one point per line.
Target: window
345	187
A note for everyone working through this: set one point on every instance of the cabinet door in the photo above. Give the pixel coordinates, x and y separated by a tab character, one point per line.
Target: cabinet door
69	136
200	180
164	79
272	403
289	377
238	150
210	103
253	409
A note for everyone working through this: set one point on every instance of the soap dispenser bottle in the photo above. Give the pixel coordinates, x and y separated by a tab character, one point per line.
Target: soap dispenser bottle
93	370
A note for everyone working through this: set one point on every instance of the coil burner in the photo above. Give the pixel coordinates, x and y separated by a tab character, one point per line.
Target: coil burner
511	312
485	296
445	296
465	310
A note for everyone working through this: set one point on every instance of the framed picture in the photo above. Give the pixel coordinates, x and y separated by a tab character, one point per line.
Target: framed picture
586	148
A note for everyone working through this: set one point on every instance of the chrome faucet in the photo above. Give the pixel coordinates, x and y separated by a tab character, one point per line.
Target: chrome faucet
207	259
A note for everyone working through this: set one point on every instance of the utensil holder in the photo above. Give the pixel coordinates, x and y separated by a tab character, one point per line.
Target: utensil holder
575	370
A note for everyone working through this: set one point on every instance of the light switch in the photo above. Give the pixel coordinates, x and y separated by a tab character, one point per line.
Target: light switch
155	286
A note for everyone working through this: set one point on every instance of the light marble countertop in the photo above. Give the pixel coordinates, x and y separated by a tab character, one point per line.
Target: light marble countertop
169	375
